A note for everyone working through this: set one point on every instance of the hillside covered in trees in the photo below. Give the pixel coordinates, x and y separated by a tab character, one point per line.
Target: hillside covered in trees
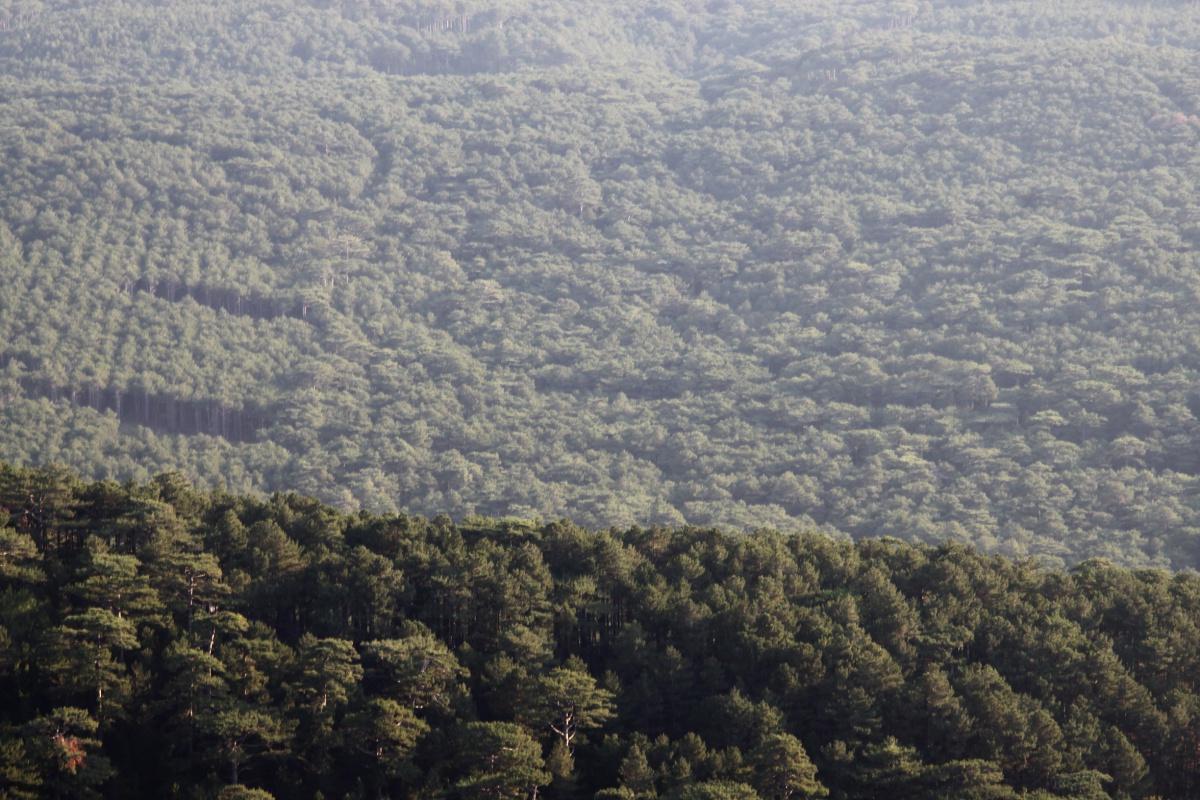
919	269
160	642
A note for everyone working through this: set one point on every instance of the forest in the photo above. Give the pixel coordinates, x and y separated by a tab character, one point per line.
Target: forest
924	270
161	641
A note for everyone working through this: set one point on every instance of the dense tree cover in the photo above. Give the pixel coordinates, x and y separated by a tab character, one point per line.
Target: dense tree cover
923	269
159	641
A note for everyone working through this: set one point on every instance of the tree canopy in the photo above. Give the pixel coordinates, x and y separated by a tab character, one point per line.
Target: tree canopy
922	269
631	664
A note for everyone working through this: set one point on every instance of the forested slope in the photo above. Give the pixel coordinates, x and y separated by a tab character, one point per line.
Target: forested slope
917	269
156	641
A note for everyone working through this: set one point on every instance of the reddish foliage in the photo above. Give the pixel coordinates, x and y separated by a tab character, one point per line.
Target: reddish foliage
72	752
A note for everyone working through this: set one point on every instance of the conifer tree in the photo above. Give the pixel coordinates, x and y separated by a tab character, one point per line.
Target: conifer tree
567	700
500	761
782	769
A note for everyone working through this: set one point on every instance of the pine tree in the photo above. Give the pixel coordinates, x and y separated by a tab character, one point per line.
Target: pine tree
19	776
243	734
783	770
499	760
417	669
567	700
636	774
63	748
327	675
384	733
84	656
714	790
244	793
116	583
561	766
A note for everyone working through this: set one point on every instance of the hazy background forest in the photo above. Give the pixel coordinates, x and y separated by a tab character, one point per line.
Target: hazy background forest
919	269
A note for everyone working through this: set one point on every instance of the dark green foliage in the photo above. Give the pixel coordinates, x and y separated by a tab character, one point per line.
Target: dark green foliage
498	761
566	702
713	790
62	754
635	773
627	664
418	670
782	769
